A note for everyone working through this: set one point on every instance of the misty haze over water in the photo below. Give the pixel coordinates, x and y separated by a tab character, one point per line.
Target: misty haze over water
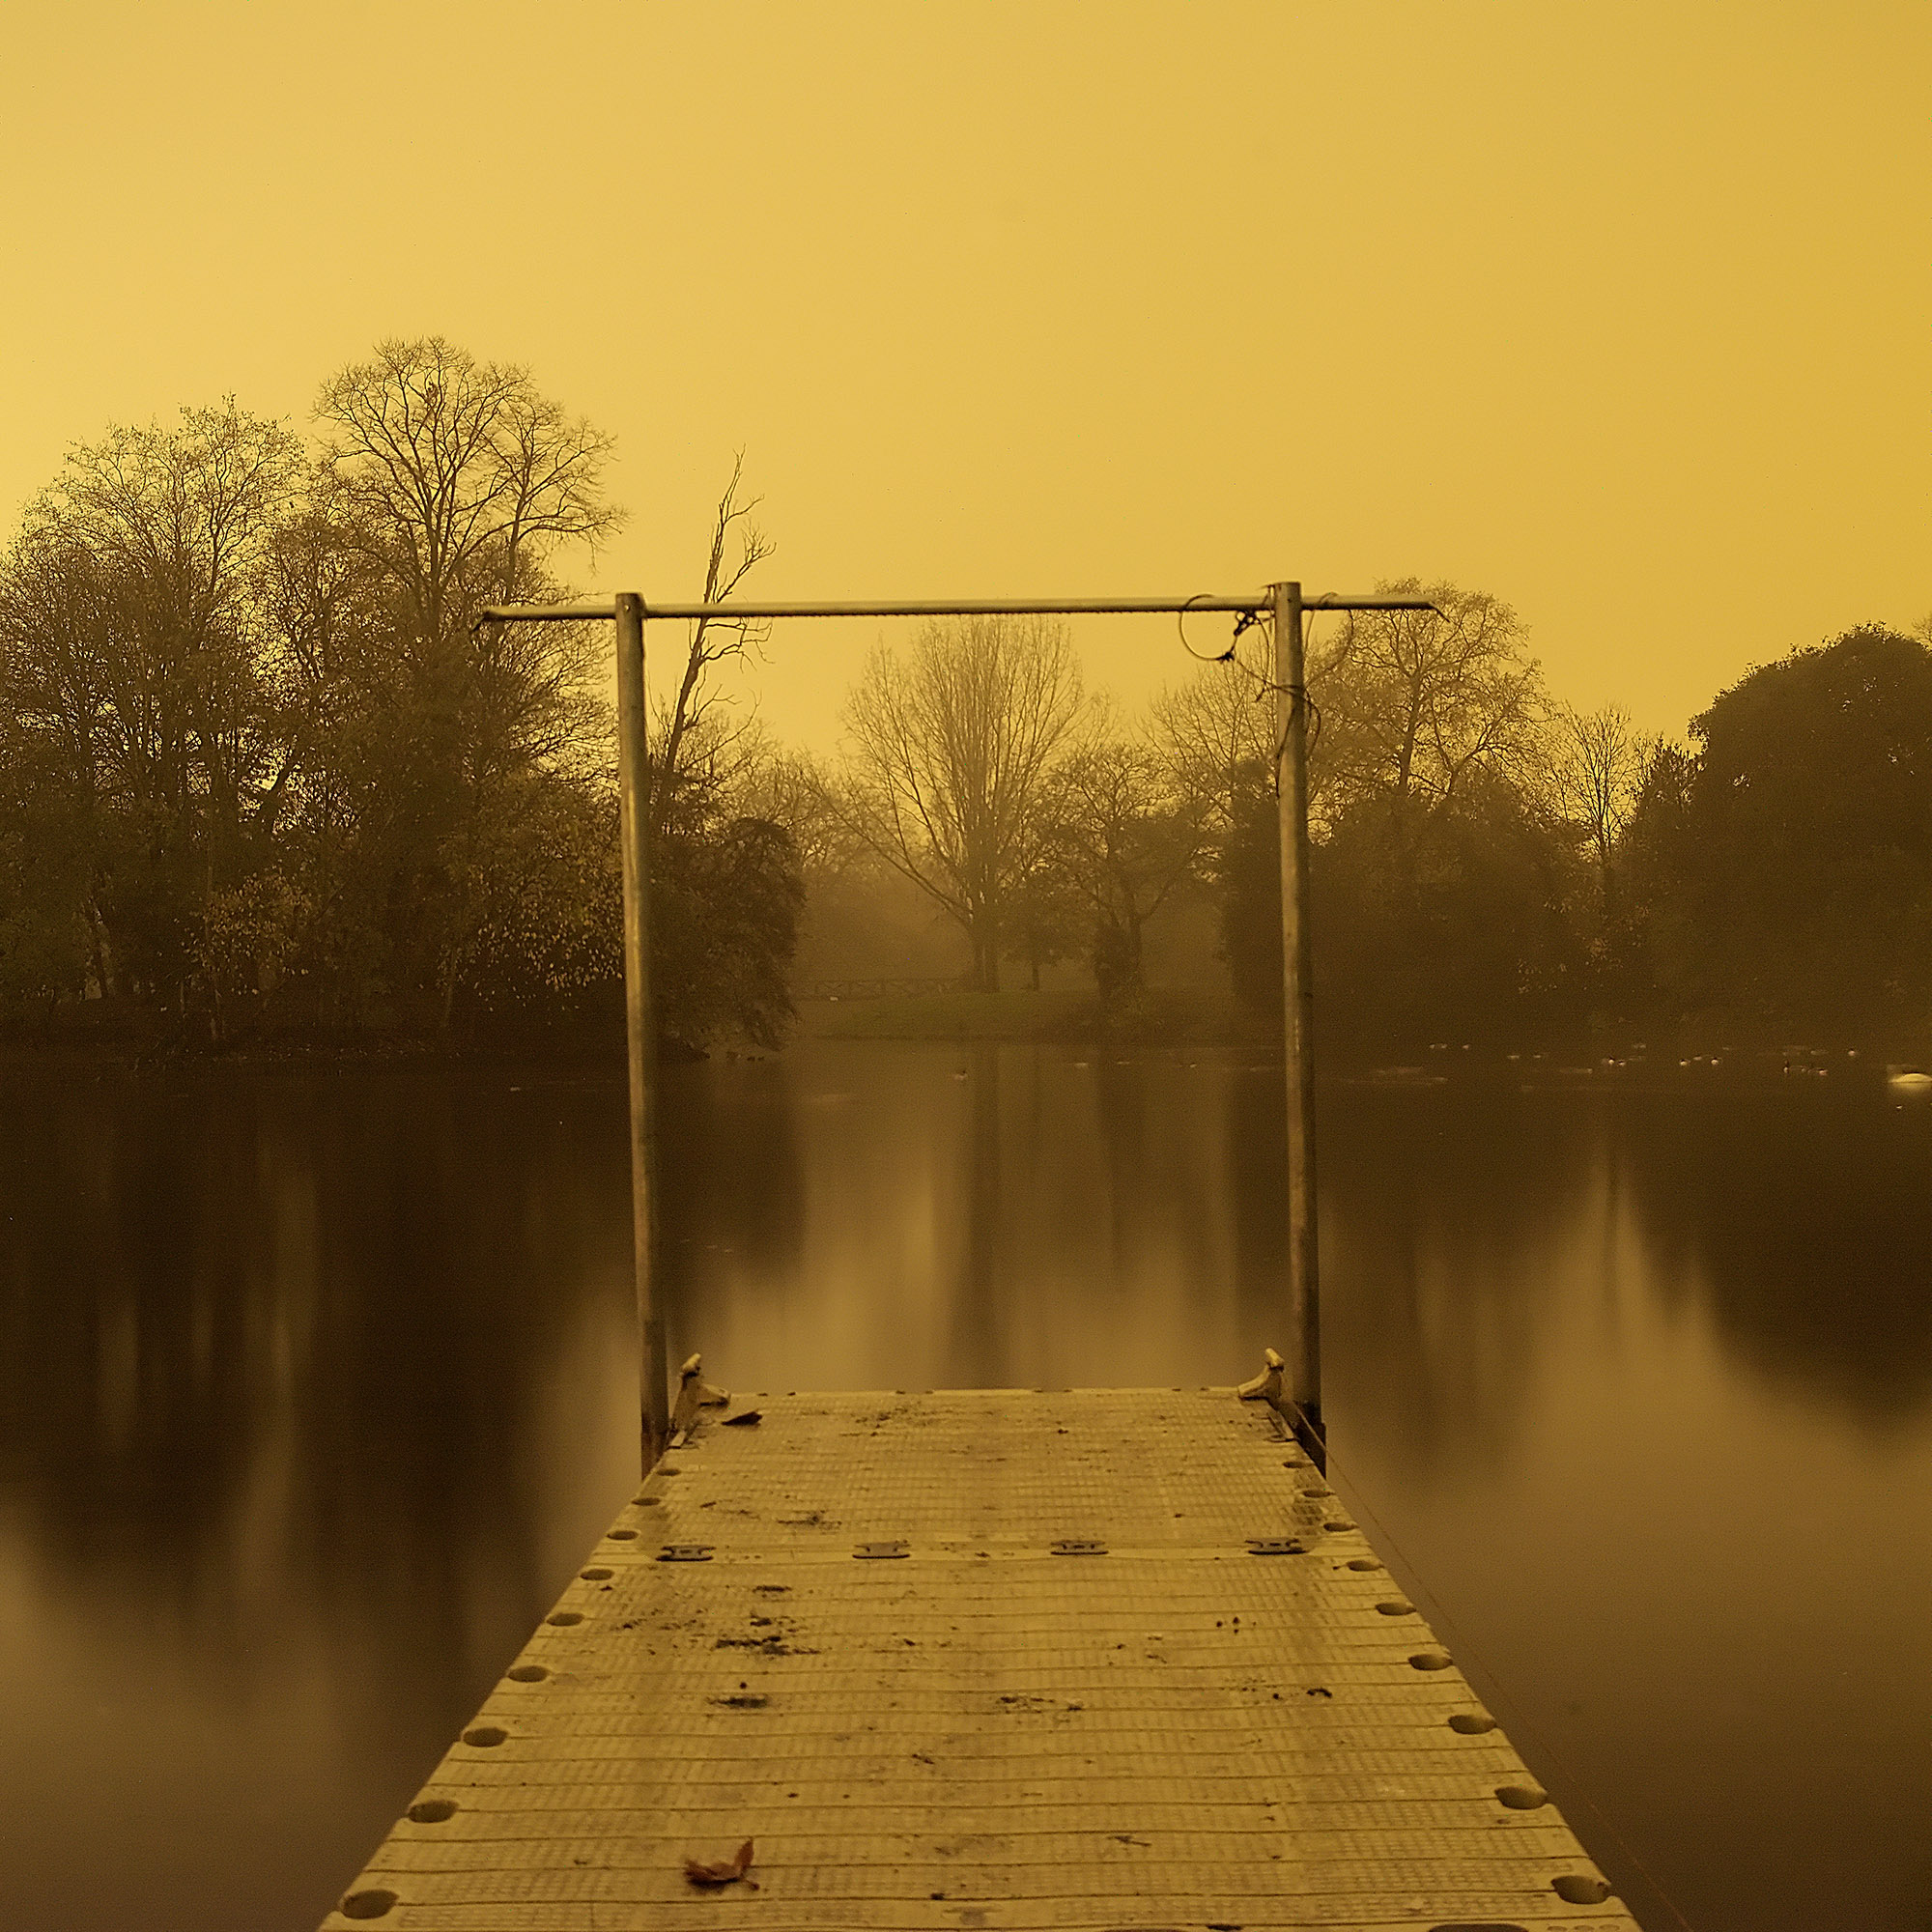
319	1385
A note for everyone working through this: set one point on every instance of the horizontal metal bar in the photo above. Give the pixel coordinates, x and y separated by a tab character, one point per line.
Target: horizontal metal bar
1018	607
1069	606
543	613
947	608
1368	604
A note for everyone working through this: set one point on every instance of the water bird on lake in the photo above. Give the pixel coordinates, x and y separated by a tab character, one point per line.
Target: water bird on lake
1912	1079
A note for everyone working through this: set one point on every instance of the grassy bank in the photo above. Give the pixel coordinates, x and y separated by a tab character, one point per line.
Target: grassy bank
1150	1020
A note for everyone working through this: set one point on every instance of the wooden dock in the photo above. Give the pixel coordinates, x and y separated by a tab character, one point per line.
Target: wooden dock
1005	1659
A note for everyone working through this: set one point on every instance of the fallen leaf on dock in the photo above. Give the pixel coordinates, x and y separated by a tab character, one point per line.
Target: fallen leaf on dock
727	1872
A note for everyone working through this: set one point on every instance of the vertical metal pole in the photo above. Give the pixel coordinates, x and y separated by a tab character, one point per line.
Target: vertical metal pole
1304	1301
634	790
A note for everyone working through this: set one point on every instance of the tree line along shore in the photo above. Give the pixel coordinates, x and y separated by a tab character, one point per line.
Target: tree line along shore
268	786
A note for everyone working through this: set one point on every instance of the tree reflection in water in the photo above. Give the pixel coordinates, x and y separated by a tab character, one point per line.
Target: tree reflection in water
316	1387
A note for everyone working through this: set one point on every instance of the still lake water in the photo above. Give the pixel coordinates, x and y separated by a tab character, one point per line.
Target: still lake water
315	1388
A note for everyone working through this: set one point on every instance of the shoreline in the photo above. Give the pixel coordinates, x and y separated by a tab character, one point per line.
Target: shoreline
1155	1021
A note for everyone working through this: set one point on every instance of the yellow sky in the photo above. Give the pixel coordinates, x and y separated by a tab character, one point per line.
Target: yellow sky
1618	310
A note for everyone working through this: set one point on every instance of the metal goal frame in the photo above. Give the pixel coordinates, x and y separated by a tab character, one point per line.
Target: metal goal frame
1283	605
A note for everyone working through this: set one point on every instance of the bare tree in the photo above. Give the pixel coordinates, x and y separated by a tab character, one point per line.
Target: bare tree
1215	736
1127	836
793	789
1597	766
952	752
455	483
459	477
737	548
1411	702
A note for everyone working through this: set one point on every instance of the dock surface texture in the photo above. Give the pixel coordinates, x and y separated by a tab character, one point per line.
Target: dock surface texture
1088	1695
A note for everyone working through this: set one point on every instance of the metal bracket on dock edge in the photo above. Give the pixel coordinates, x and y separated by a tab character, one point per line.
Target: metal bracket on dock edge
693	1394
1302	1422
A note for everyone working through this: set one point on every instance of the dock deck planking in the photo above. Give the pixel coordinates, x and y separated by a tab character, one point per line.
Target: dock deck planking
1171	1731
